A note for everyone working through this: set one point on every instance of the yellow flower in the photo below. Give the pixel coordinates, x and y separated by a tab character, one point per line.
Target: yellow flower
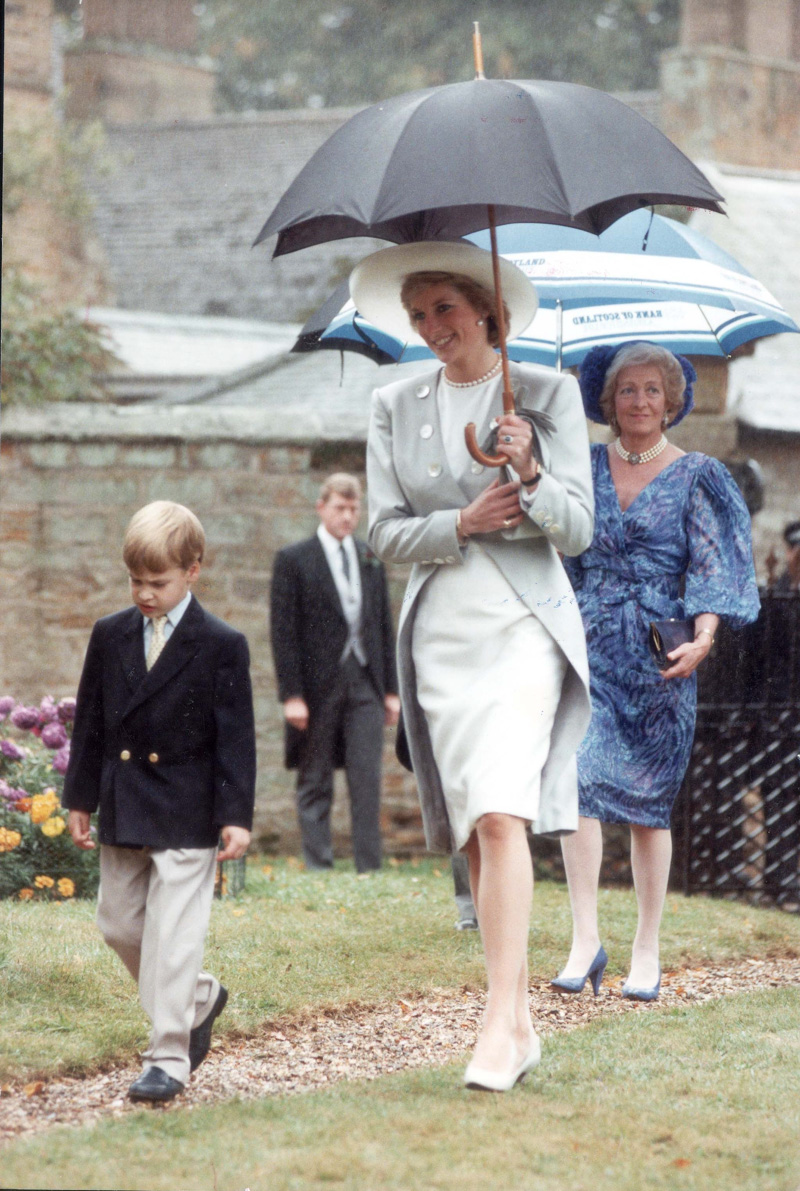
9	839
42	882
66	887
41	808
53	826
25	895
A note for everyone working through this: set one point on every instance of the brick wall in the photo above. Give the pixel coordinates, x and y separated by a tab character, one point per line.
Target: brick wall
72	477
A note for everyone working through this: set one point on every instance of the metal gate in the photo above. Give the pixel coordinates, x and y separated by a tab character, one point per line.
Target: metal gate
739	817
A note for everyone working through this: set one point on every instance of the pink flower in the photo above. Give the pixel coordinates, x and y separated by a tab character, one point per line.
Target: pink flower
25	717
12	751
54	735
61	759
7	703
47	711
66	711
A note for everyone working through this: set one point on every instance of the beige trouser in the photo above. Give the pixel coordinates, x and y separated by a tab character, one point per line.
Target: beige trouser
153	909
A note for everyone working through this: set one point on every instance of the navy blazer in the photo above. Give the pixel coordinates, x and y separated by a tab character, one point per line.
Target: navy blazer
167	755
309	630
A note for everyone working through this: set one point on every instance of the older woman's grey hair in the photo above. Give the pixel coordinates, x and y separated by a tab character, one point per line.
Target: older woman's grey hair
634	356
482	300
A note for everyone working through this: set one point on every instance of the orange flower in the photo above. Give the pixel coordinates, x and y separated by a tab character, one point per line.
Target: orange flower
42	882
66	887
41	808
9	839
25	895
23	805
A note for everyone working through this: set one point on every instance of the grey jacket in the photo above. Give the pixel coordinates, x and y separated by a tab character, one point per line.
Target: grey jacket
413	500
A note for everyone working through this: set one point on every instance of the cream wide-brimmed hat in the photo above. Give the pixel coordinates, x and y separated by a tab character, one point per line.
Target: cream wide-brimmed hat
375	283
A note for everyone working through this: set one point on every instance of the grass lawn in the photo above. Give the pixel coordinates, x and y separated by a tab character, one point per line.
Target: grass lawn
296	940
703	1097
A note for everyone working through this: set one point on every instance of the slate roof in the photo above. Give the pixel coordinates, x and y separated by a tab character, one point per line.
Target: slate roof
179	206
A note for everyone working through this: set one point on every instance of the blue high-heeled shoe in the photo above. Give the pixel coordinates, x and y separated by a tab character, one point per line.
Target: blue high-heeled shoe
574	984
643	994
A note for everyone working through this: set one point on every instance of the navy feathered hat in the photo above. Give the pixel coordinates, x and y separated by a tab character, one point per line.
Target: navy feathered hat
596	363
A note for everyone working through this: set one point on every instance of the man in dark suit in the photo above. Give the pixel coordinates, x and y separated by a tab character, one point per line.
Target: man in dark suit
164	746
333	645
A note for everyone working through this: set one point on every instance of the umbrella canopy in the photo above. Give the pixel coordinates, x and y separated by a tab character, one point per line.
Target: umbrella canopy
425	166
645	277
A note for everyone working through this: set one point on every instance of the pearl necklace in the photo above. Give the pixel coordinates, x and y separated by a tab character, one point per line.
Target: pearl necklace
471	384
645	456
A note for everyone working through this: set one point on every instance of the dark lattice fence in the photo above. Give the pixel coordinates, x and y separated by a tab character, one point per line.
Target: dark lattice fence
739	819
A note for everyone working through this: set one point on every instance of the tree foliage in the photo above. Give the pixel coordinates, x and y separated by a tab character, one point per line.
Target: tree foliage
47	354
324	53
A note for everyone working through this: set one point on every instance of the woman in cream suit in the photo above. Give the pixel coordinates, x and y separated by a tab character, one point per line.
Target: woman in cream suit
493	672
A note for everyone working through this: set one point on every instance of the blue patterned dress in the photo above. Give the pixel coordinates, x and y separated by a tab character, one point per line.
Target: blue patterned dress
688	531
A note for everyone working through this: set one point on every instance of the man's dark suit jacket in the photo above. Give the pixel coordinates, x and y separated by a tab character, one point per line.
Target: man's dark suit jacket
167	755
309	630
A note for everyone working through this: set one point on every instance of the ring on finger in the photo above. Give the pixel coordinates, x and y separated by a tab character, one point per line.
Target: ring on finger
507	438
507	522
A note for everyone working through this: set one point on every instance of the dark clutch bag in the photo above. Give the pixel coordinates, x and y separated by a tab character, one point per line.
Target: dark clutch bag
666	635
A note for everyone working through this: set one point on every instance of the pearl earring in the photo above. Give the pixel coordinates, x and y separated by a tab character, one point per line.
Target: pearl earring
664	422
479	323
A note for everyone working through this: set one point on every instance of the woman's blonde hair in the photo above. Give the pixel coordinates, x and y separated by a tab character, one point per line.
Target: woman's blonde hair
162	535
632	357
482	300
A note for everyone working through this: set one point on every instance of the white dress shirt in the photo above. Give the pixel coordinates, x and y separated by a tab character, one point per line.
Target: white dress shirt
173	619
349	589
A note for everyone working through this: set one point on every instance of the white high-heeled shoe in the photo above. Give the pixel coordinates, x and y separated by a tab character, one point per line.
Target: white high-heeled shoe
478	1079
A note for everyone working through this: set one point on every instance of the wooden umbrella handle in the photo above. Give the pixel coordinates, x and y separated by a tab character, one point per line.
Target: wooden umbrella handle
471	439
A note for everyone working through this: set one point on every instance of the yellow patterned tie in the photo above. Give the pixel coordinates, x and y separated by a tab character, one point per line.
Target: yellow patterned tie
157	641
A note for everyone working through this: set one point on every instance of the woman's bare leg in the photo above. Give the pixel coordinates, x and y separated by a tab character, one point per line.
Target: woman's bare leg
501	875
583	855
651	855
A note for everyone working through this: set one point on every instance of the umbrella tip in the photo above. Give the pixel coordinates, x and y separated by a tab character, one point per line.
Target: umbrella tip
477	49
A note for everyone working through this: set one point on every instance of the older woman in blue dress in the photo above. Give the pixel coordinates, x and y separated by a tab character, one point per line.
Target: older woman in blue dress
492	663
671	540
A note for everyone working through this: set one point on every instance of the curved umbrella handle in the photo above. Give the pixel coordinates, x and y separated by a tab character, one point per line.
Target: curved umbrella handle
471	439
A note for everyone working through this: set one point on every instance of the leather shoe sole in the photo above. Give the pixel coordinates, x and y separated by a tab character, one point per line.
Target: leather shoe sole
200	1037
155	1084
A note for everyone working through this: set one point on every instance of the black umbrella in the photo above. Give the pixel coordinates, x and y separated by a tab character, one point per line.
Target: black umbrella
443	162
425	166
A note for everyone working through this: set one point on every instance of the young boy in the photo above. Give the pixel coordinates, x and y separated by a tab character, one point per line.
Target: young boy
164	745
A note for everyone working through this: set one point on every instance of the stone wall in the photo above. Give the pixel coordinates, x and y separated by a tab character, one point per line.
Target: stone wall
726	105
72	477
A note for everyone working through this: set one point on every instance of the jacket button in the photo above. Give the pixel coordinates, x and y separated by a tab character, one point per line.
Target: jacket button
422	391
426	431
476	468
124	755
153	757
434	470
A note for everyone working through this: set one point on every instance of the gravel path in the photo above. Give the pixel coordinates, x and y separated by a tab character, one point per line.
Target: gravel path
359	1042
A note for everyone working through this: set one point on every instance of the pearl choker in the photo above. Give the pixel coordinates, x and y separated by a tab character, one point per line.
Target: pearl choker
471	384
645	456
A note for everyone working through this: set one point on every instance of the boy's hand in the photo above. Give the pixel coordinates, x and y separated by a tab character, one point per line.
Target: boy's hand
236	841
79	828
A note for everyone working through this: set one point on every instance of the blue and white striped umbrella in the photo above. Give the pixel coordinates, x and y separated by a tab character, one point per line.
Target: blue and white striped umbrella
645	277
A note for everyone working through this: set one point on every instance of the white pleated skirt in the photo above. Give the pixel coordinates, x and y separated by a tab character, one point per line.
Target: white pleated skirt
489	678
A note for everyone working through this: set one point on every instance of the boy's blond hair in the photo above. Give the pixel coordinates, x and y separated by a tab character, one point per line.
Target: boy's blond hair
343	484
163	535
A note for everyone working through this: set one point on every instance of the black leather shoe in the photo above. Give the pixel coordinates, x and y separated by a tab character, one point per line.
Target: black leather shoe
200	1037
155	1084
